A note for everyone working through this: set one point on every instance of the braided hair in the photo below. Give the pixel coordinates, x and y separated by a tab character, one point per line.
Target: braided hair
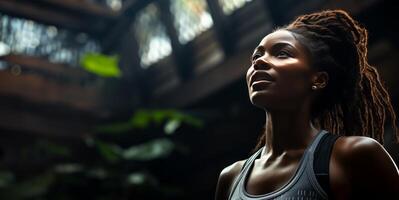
355	100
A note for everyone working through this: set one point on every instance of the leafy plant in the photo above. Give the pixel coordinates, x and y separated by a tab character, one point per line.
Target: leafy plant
100	64
143	119
109	172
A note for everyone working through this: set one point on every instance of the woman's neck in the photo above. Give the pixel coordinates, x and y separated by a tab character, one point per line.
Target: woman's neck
288	130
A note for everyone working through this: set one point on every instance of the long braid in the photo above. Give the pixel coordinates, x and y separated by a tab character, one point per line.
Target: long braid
355	101
374	102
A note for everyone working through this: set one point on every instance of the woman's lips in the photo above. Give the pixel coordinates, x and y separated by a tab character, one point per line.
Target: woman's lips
261	84
260	79
260	75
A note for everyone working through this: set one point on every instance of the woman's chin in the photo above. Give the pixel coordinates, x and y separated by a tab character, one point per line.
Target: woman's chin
260	99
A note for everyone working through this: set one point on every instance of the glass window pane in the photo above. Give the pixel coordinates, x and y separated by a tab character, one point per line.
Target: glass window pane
191	18
154	43
229	6
114	4
21	36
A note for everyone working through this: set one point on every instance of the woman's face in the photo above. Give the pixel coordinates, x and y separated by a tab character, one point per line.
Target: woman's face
280	75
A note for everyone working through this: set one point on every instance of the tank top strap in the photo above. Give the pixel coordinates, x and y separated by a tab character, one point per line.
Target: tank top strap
245	169
251	159
316	141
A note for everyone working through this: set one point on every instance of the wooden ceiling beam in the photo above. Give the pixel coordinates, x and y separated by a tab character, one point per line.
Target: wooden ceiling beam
37	89
49	15
203	85
39	82
84	7
117	30
42	65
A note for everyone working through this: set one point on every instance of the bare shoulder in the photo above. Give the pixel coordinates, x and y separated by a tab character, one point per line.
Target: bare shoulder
232	170
357	144
361	149
226	179
363	164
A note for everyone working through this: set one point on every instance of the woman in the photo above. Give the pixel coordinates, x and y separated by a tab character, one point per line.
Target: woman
323	103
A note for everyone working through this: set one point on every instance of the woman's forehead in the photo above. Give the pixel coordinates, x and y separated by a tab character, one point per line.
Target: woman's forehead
280	36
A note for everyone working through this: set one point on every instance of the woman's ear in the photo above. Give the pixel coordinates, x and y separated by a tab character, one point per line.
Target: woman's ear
319	80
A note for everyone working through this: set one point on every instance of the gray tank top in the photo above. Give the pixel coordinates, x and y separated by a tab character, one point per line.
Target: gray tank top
302	186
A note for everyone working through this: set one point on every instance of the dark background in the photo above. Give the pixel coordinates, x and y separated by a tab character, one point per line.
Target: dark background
53	144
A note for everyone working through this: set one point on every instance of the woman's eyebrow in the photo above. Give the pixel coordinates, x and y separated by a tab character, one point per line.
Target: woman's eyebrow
259	48
277	45
280	45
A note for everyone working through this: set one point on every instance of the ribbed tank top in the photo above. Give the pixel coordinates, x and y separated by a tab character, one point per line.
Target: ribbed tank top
302	186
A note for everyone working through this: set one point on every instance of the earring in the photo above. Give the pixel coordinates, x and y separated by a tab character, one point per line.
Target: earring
314	87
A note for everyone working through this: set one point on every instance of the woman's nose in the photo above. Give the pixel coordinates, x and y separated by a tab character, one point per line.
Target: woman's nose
261	63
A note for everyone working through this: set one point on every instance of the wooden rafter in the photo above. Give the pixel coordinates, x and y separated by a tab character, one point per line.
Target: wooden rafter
118	29
42	65
196	89
87	18
40	90
84	7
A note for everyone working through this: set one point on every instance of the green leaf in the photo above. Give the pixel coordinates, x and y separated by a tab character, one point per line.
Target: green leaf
89	140
185	118
6	178
192	121
136	179
171	126
53	148
141	178
159	115
32	187
117	127
141	119
99	173
68	168
110	152
102	65
148	151
188	119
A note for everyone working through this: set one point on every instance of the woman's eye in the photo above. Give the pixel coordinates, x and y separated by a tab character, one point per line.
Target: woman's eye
283	54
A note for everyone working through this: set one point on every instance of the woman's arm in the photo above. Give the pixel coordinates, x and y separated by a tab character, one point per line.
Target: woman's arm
226	179
361	168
